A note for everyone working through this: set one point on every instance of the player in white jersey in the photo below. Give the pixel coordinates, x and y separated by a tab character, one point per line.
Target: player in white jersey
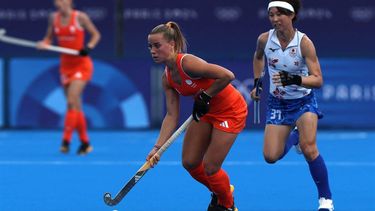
294	71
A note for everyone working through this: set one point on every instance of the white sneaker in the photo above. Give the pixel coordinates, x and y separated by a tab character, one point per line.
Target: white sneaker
325	204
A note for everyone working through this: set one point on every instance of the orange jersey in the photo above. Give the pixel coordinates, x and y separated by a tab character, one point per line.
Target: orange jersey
228	109
72	36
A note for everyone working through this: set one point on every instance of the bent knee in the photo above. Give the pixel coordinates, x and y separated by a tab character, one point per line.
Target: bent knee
189	165
271	159
211	169
310	152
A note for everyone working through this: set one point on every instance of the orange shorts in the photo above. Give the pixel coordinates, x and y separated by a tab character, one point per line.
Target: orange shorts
80	68
232	120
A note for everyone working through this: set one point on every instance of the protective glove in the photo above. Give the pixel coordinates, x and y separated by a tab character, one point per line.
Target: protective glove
201	105
289	79
85	51
257	89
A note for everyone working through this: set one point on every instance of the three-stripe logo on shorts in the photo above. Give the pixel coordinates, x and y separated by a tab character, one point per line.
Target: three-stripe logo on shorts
224	124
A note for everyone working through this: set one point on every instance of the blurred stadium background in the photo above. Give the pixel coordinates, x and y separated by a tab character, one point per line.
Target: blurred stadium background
124	105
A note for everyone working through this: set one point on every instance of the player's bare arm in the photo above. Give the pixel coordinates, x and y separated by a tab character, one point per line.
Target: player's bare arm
258	60
87	24
197	67
172	115
315	79
48	38
170	120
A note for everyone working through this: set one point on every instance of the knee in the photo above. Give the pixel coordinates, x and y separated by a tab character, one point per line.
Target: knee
310	151
72	103
189	165
211	169
71	100
270	159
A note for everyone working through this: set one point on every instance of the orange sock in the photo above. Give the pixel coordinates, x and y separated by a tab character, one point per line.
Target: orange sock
199	175
70	124
82	127
219	183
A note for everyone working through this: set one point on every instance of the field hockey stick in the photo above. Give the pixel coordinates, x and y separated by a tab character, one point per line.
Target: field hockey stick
145	167
258	90
257	103
32	44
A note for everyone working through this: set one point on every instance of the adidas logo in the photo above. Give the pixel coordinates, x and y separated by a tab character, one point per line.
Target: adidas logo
137	178
224	124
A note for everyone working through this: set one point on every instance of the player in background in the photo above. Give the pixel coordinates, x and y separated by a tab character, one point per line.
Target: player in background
68	26
219	112
294	72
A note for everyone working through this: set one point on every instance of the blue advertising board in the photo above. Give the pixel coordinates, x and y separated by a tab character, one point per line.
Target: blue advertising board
214	29
348	95
113	99
119	96
1	93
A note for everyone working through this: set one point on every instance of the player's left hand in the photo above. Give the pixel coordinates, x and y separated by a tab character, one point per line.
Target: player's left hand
284	78
84	51
201	105
152	157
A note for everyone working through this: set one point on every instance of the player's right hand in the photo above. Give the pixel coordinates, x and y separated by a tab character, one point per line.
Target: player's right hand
152	157
253	94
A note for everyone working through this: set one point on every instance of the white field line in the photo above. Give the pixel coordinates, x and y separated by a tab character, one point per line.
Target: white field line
172	163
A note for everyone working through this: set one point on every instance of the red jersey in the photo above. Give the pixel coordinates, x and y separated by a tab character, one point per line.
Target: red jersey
72	35
227	106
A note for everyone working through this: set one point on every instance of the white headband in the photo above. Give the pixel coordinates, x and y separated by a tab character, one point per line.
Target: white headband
281	4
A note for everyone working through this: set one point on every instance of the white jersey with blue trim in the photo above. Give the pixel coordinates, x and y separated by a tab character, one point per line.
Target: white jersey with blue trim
289	60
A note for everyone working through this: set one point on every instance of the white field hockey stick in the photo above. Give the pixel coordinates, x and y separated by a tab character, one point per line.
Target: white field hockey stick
143	170
32	44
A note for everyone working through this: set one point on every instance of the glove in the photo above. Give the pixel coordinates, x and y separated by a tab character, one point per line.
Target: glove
84	51
289	79
256	81
201	105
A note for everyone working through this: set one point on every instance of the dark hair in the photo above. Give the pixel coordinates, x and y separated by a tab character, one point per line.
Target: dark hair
296	4
171	32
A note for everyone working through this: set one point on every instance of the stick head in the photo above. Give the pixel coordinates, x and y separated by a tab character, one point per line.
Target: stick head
2	32
108	199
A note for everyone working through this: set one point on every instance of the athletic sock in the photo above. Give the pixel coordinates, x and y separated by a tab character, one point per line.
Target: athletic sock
292	140
82	127
70	124
199	175
219	183
319	174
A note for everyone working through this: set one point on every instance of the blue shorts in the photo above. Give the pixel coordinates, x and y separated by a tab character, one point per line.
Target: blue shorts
286	112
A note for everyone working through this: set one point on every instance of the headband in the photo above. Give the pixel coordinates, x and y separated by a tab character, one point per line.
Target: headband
281	4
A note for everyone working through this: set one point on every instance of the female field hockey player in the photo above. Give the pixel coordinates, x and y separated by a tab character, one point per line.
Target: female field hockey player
294	72
68	26
219	112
